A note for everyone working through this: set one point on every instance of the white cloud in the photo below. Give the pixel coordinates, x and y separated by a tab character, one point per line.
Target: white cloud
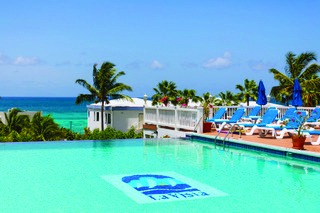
219	62
259	65
21	61
24	61
156	65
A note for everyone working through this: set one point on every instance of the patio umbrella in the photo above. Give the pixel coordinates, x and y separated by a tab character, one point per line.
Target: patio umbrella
296	100
262	99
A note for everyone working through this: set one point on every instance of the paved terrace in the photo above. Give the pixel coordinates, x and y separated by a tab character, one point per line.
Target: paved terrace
269	140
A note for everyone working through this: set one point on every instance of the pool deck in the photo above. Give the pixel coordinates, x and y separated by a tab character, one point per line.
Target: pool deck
269	140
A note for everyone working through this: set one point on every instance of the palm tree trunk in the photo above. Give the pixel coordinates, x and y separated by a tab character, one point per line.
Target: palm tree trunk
102	108
287	100
247	100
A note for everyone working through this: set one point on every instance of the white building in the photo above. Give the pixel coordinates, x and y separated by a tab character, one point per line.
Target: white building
29	113
120	114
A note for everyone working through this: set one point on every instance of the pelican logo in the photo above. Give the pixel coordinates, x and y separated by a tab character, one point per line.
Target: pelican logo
164	186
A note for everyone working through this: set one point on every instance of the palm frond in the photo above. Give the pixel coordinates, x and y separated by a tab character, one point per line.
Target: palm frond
279	76
310	71
119	87
84	83
85	98
289	69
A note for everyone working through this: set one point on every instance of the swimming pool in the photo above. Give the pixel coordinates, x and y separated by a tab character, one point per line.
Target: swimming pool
98	176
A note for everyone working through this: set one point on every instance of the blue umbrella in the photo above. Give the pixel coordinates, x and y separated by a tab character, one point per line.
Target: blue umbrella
262	99
296	100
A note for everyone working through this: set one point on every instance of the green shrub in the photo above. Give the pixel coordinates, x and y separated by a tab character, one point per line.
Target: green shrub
45	129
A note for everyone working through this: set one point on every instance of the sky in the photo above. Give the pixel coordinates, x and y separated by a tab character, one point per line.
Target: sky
209	46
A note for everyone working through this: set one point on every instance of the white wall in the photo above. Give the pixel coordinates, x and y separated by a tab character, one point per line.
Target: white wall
121	119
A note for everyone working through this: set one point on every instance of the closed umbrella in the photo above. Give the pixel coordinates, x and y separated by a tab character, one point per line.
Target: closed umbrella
262	99
297	99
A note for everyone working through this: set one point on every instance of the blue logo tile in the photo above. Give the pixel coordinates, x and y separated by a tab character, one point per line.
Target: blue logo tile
164	186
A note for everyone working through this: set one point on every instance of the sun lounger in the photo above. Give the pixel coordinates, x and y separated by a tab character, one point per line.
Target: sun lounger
268	118
286	115
293	124
314	117
257	118
217	115
234	119
254	112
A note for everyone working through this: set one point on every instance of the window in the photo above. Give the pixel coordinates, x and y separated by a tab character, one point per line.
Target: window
97	116
88	114
109	118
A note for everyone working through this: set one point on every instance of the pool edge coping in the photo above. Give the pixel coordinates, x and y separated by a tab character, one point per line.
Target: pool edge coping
276	148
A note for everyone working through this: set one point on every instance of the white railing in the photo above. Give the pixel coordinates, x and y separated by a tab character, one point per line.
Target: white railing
150	114
188	118
175	117
232	109
166	117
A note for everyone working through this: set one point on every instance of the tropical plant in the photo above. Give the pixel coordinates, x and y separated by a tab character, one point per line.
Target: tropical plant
105	87
165	92
186	95
299	67
206	103
227	99
111	133
44	128
16	122
248	91
301	120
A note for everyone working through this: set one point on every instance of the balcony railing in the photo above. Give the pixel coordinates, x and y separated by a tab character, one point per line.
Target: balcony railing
174	117
191	119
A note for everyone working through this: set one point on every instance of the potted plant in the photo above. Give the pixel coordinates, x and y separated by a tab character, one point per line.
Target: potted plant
298	139
206	104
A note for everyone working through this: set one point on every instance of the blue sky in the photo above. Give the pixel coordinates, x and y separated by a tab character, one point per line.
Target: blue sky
209	46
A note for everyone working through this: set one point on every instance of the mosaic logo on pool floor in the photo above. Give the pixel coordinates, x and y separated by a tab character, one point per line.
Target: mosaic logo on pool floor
162	186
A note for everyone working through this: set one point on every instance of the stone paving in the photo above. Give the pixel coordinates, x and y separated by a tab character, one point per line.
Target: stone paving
269	140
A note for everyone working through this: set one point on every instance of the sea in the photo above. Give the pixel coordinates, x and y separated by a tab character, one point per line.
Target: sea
64	110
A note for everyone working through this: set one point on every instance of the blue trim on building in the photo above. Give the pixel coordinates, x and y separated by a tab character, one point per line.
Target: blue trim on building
115	108
127	108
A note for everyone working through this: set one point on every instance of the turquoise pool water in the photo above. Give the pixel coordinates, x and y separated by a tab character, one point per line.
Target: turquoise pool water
72	177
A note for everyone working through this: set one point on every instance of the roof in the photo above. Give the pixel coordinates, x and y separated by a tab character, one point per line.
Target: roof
137	103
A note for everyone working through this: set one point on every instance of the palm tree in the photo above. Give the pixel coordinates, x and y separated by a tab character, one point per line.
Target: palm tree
105	87
297	67
248	91
227	99
189	94
166	91
16	122
206	103
44	128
